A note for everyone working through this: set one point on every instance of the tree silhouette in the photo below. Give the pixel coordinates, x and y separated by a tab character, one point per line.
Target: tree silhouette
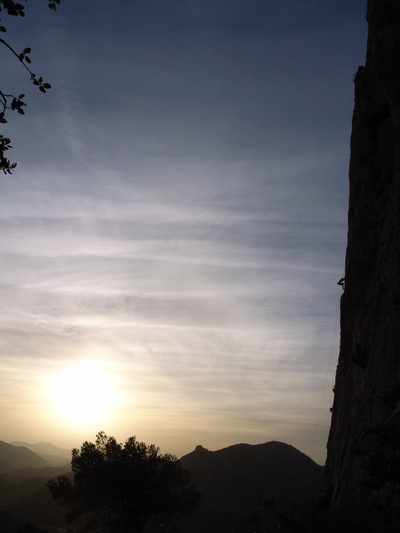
10	101
118	487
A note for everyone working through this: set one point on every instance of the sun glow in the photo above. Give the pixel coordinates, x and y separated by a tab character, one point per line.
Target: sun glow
83	392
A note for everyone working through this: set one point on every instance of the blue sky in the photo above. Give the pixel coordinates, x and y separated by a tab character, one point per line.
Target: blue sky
176	225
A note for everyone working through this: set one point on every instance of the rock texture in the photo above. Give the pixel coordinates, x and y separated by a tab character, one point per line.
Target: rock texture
363	462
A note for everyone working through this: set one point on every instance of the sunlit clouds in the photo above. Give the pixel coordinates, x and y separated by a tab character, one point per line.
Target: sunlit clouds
202	308
176	227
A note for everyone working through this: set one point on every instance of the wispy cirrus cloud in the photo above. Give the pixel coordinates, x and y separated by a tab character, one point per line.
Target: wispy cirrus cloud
179	217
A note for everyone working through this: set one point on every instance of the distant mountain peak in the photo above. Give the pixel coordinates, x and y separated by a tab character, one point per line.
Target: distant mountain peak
44	448
200	448
16	457
234	480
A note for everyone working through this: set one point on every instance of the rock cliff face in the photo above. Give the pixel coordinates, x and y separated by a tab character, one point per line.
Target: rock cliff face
363	461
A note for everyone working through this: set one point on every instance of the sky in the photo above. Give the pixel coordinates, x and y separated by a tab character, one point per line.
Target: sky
173	234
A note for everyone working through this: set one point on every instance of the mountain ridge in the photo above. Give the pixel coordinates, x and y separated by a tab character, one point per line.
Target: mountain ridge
231	480
15	457
53	455
235	480
44	447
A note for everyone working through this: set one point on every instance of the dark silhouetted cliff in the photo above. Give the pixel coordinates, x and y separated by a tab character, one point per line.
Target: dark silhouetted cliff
363	462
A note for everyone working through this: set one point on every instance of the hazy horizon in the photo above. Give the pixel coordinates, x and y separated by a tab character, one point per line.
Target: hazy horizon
46	449
176	226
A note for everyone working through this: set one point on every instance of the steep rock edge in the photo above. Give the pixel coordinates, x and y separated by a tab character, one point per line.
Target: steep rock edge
363	460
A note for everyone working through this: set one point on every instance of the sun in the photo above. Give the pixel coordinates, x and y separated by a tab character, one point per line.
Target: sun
83	392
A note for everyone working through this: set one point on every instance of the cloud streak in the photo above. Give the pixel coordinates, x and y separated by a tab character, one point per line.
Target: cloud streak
180	219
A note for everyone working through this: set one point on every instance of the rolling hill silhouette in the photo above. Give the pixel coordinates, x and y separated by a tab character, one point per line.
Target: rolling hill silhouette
232	482
24	496
15	457
53	455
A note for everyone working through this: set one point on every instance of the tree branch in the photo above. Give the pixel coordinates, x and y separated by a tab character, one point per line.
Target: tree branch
15	9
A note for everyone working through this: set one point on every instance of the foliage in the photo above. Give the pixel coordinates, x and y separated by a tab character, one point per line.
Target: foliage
119	487
10	101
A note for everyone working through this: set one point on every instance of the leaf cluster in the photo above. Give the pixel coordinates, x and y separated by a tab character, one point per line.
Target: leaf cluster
18	10
5	165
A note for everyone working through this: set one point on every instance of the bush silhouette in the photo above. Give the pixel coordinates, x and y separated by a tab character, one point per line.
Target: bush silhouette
121	486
